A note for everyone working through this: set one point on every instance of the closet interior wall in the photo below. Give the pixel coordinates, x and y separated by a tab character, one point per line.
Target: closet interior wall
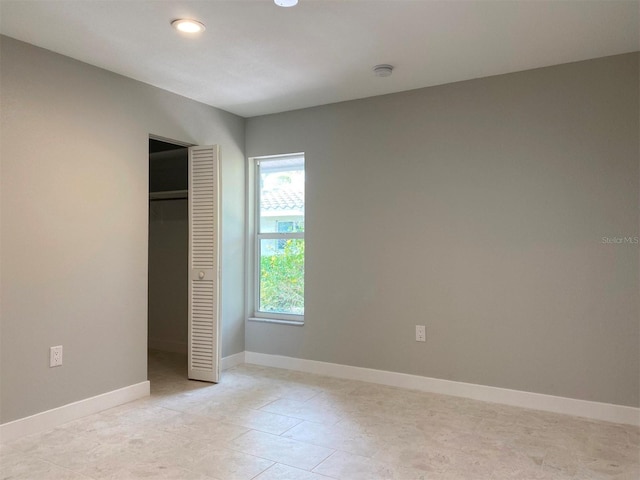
168	247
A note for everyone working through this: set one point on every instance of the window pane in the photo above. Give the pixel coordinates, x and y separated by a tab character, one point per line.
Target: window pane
282	195
282	276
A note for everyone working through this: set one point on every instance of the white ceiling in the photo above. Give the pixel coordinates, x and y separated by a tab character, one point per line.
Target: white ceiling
256	58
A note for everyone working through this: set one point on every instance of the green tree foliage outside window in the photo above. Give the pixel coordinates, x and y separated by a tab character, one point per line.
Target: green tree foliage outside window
282	279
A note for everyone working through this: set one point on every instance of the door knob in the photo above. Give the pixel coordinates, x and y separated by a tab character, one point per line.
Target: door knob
201	275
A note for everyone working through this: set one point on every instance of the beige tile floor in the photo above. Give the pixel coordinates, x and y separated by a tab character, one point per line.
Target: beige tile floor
271	424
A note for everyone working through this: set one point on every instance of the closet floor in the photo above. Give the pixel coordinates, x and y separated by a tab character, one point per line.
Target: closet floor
267	424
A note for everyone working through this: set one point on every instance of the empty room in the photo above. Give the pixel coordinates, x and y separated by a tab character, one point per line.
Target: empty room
320	239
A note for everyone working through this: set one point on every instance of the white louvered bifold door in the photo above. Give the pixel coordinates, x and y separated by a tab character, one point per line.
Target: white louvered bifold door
204	208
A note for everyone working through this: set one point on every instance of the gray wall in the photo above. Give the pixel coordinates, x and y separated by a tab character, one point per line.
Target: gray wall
74	210
477	209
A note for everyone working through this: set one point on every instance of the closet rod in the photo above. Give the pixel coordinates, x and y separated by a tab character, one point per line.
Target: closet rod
167	199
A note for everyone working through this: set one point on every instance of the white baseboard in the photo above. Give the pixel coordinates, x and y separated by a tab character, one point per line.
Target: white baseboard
72	411
168	346
232	360
537	401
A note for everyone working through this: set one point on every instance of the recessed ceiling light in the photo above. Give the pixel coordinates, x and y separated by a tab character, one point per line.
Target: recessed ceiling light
286	3
187	25
383	70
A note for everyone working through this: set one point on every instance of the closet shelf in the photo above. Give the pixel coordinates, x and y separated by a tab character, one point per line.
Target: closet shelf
169	195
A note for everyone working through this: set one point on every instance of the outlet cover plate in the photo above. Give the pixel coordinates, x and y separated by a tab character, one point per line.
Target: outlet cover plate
421	333
55	356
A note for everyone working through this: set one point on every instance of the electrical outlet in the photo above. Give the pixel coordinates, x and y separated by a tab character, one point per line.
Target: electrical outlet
421	333
55	356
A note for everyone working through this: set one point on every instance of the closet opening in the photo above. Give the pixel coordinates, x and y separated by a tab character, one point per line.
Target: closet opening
168	271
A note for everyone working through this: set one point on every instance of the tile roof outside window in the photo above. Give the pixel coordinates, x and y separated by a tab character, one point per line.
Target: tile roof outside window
282	199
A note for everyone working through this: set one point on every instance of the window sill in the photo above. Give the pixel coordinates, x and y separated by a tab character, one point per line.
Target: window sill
294	323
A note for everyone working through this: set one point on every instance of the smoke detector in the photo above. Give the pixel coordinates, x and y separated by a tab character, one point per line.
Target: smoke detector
383	70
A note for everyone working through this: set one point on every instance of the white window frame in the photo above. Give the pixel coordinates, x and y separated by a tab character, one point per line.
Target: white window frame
254	240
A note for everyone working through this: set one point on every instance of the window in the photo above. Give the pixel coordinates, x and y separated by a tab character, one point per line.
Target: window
279	239
288	227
